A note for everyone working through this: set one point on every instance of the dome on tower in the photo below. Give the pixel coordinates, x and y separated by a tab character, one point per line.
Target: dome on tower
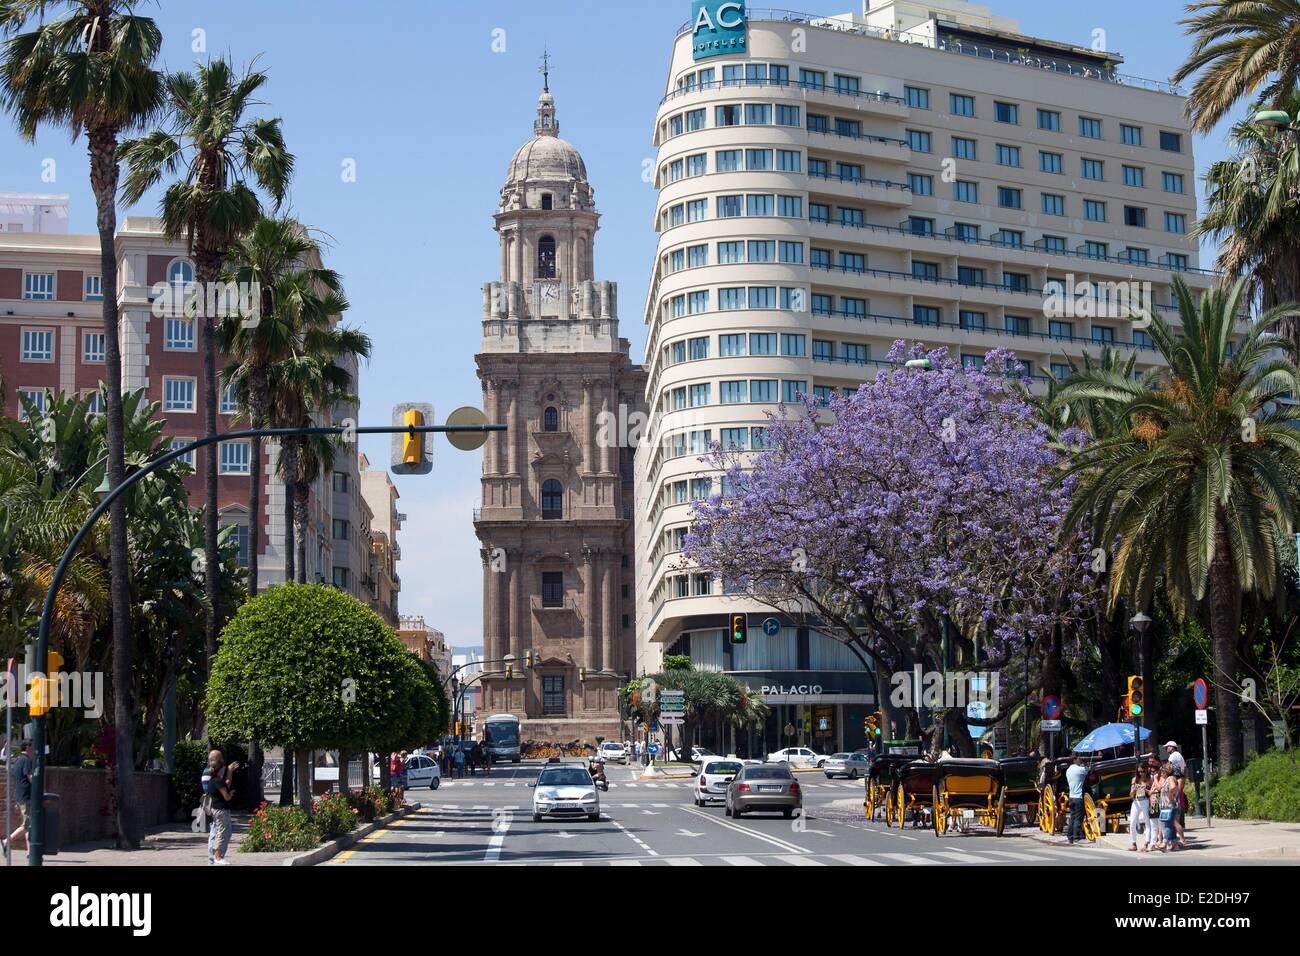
547	172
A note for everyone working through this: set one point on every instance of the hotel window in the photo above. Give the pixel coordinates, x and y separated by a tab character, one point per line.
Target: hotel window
762	250
920	184
734	439
1134	176
698	347
1096	250
853	262
178	334
762	390
787	116
850	216
697	302
178	394
920	226
790	251
927	271
758	159
94	401
1092	168
793	344
697	165
340	482
1094	211
1008	155
701	488
918	140
758	204
675	215
553	596
822	304
1171	142
38	345
1135	216
790	207
697	210
1142	339
1053	205
697	256
701	440
1138	256
964	190
94	288
239	535
1015	281
818	123
1053	243
1009	198
1089	127
180	273
966	231
849	85
972	321
1176	261
819	212
1175	222
1060	371
552	499
848	127
695	120
36	396
1130	135
854	353
234	457
778	75
972	362
970	275
917	97
731	251
823	350
1049	120
675	125
727	115
758	114
92	346
792	390
1060	330
961	105
793	299
677	399
758	438
229	401
848	172
819	168
756	74
731	392
788	160
700	394
677	306
823	394
812	79
188	457
1173	182
730	206
963	148
38	286
762	343
762	297
731	298
676	171
1049	162
1104	334
925	315
852	307
1013	238
1018	324
1006	113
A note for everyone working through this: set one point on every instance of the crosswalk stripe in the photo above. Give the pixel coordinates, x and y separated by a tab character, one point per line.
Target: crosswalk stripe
1013	855
910	858
963	857
740	861
624	862
683	861
569	863
852	860
795	860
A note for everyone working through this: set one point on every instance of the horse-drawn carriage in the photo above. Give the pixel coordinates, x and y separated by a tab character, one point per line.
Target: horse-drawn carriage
1054	800
945	794
880	778
1020	787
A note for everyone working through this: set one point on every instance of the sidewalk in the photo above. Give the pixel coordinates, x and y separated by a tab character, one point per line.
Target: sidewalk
1242	839
172	844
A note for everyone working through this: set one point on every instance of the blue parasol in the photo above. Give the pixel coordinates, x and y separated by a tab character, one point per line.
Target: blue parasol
1107	737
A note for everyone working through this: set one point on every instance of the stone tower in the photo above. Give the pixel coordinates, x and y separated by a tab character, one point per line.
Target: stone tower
556	515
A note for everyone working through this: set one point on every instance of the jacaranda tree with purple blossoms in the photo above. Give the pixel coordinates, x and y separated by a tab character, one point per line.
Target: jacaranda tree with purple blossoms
928	491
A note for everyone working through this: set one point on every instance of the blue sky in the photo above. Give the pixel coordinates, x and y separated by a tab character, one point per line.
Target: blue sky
431	108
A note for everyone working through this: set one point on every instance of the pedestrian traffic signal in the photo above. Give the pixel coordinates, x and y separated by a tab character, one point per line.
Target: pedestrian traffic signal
739	629
1136	696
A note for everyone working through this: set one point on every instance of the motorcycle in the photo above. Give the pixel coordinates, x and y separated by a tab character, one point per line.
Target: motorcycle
597	770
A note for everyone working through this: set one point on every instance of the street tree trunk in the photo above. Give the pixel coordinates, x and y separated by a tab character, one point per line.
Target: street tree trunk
207	269
287	773
1224	611
287	459
304	780
102	145
302	518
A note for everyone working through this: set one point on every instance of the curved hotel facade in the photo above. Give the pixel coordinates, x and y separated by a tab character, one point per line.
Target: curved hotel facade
829	185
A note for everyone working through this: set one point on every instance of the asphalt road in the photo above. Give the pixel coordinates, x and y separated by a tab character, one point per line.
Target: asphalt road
488	820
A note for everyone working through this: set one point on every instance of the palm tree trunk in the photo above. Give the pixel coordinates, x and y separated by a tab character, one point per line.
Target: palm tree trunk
256	419
103	180
207	269
1225	615
302	518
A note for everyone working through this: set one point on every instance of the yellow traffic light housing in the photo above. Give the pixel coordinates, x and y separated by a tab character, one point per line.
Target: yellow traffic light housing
412	451
413	441
1136	698
582	675
739	629
43	691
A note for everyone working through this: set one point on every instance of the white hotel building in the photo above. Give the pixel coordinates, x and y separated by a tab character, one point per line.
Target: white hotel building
829	185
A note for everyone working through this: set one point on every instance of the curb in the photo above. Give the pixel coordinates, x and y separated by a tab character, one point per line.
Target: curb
349	840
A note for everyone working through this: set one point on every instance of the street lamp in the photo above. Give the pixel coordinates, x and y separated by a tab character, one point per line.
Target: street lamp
921	363
1275	119
1141	624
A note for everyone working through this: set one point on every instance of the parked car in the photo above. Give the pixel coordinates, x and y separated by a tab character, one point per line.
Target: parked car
613	752
852	765
421	771
767	787
697	754
711	783
797	757
565	791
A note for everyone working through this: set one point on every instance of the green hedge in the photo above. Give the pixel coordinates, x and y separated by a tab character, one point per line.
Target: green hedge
1267	788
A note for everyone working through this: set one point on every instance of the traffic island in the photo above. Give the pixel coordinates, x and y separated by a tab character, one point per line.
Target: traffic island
348	840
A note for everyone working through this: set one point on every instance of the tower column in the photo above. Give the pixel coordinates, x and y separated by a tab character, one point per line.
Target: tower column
517	272
610	446
589	427
520	616
590	644
510	436
608	661
491	450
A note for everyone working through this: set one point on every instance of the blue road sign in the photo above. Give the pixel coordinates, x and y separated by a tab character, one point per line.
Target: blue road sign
771	626
1200	694
1051	707
654	748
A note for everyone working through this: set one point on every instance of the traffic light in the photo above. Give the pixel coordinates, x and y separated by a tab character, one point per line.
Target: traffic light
43	690
739	629
1136	696
412	453
528	658
413	441
510	671
582	675
871	724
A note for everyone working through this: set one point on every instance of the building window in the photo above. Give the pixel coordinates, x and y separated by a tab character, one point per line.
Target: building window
341	482
1135	216
94	288
918	140
550	420
1053	204
36	396
547	201
1094	211
1171	142
1175	222
180	273
178	394
917	98
1008	198
178	335
1130	135
94	401
1092	168
1049	162
234	458
1006	113
552	695
1134	176
1008	155
340	530
341	577
963	148
1049	120
188	457
552	589
966	191
961	105
1089	127
229	401
546	257
38	345
552	498
38	286
92	346
239	534
1173	182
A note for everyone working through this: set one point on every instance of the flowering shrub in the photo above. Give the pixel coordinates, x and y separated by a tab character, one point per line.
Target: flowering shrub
372	802
334	816
280	830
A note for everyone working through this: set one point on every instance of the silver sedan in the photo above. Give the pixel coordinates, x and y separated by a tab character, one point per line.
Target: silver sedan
846	765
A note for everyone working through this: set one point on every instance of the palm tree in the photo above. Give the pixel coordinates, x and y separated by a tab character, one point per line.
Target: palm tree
1196	486
295	297
1252	209
91	70
1242	48
224	155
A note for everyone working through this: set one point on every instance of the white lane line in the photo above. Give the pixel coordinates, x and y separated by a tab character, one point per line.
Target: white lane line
963	856
910	858
497	839
633	837
741	861
799	860
683	861
781	844
852	860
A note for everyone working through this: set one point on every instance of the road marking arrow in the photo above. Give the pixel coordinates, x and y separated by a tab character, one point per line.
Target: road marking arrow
687	833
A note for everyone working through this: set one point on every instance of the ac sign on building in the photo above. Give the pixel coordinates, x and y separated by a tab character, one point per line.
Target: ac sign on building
718	27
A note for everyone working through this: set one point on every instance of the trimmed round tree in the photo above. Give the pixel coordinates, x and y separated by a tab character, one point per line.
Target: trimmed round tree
307	667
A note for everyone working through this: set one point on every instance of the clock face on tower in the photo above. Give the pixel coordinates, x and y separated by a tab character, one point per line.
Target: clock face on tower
548	292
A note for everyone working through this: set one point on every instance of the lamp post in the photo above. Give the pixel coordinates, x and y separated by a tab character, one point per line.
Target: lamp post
1141	625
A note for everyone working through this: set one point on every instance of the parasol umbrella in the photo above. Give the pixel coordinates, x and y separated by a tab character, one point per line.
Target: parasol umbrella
1107	737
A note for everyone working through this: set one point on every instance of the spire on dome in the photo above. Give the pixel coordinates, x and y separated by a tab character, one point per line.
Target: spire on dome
546	124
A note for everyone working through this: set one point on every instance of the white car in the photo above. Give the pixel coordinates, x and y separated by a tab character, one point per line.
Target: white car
711	782
797	757
421	771
613	752
565	790
697	754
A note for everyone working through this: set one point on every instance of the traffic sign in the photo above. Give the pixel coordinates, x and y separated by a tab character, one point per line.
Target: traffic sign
1050	725
672	720
654	749
1203	717
1051	707
1200	694
771	626
467	415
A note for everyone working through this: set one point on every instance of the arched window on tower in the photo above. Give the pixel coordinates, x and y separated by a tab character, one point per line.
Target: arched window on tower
550	420
547	201
546	257
552	498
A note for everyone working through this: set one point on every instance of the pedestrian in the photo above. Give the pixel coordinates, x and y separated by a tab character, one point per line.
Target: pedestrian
1169	806
1074	778
220	796
20	791
1140	810
401	769
459	757
1157	785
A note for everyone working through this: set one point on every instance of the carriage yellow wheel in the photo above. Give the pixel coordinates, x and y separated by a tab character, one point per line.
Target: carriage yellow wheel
891	808
872	798
1001	812
940	811
1090	829
1047	810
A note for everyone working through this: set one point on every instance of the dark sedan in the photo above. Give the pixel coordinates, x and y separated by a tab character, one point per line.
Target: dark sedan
764	787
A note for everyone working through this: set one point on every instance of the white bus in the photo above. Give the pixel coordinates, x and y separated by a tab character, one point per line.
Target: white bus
501	737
